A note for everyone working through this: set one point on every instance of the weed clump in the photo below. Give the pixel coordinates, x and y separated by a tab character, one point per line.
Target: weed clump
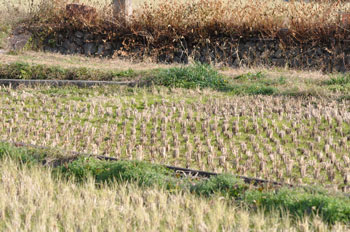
194	76
227	184
253	89
205	76
144	174
339	80
23	155
299	202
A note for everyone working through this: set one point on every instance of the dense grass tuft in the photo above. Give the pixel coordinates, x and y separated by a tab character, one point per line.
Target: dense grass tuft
142	173
299	202
253	89
194	76
23	155
225	184
339	80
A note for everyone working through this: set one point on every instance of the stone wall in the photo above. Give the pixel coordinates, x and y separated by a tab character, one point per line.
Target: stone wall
330	57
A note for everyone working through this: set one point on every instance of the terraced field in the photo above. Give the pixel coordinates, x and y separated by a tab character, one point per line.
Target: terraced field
272	123
303	140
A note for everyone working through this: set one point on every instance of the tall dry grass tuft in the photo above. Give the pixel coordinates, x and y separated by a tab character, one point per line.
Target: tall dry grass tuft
162	21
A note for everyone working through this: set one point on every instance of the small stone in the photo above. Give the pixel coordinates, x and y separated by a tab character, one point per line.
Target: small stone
347	60
107	46
100	50
90	49
19	41
278	62
79	34
88	37
78	41
69	46
278	54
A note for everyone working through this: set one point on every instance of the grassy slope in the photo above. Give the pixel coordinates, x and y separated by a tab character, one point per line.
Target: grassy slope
297	202
32	200
290	82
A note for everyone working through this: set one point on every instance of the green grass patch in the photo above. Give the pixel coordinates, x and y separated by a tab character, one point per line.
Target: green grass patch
194	76
204	76
339	83
251	76
23	155
190	77
225	184
142	173
338	80
252	89
20	70
300	202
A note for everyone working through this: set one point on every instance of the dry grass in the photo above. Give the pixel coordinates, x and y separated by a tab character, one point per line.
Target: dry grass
200	17
164	27
31	200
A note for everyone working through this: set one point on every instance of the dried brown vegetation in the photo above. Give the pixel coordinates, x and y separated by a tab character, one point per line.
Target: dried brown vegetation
159	22
212	19
83	13
300	34
32	200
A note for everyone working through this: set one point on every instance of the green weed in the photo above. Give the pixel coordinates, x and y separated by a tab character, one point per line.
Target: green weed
299	202
339	80
195	76
226	184
144	174
252	89
251	76
23	155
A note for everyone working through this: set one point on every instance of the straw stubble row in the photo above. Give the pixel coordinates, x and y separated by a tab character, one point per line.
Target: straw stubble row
296	140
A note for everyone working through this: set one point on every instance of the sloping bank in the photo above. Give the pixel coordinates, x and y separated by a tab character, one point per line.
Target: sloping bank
299	202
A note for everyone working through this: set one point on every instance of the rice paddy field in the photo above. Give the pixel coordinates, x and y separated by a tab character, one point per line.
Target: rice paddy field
297	138
289	139
275	124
